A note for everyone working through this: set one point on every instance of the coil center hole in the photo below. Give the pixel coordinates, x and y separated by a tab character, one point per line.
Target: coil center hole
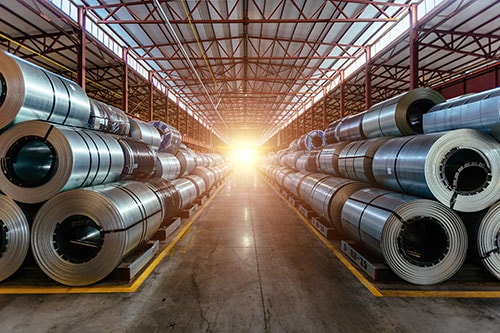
415	112
423	241
465	171
78	239
31	161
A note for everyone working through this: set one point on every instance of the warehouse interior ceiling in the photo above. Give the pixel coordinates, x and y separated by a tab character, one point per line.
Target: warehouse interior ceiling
245	69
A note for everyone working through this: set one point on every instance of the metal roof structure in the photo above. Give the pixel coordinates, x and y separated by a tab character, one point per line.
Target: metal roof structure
247	67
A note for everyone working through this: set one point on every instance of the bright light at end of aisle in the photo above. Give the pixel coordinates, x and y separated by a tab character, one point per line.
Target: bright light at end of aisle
244	155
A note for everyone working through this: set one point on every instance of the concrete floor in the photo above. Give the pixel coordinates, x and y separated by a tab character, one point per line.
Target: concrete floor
248	264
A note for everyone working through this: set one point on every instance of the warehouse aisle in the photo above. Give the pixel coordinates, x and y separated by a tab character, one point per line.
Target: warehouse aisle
248	264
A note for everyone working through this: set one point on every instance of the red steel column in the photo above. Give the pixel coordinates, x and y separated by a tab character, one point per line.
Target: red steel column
342	96
151	96
324	109
125	81
81	70
413	47
368	80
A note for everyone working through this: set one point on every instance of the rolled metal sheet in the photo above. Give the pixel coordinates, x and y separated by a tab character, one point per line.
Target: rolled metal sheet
329	196
479	111
29	92
167	166
301	164
140	159
171	138
209	176
145	132
355	159
400	115
39	160
294	145
14	237
291	158
281	173
307	184
199	183
187	158
331	132
107	118
200	160
350	129
80	236
459	168
311	140
187	191
292	181
170	198
329	156
488	240
421	240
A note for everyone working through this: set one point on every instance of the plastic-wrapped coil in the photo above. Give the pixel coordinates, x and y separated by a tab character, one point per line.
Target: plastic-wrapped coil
80	236
400	115
329	196
39	160
307	185
479	111
460	168
29	92
140	159
145	132
187	191
421	240
292	157
312	140
355	159
350	128
14	237
171	138
107	118
281	173
170	198
167	166
209	176
292	181
199	183
329	156
331	132
187	158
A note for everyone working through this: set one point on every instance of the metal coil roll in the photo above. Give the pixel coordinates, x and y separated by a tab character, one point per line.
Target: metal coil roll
145	132
400	115
331	132
187	191
329	196
460	168
208	175
294	145
301	164
311	140
39	160
200	160
140	160
167	166
14	237
350	128
171	138
281	173
421	240
292	182
307	184
487	238
170	198
291	158
80	236
187	158
199	183
107	118
329	156
29	92
355	159
479	111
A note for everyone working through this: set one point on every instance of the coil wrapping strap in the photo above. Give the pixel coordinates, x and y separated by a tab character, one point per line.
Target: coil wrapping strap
140	159
107	118
145	132
170	198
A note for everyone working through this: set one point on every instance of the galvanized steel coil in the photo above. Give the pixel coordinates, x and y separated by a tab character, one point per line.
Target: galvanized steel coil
107	118
199	183
80	236
479	111
460	168
350	128
311	140
29	92
171	138
167	166
307	184
145	132
331	132
140	159
280	174
292	182
488	240
290	159
170	198
187	191
301	164
187	158
39	160
421	240
208	175
14	237
329	156
355	159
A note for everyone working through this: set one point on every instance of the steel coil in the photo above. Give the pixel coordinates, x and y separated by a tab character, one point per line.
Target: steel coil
487	238
145	132
170	198
208	175
329	156
311	140
14	237
355	159
301	164
307	184
400	115
479	111
140	159
39	160
292	182
350	128
171	138
421	240
29	92
167	166
291	158
294	145
331	132
460	168
107	118
187	158
80	236
199	183
187	191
